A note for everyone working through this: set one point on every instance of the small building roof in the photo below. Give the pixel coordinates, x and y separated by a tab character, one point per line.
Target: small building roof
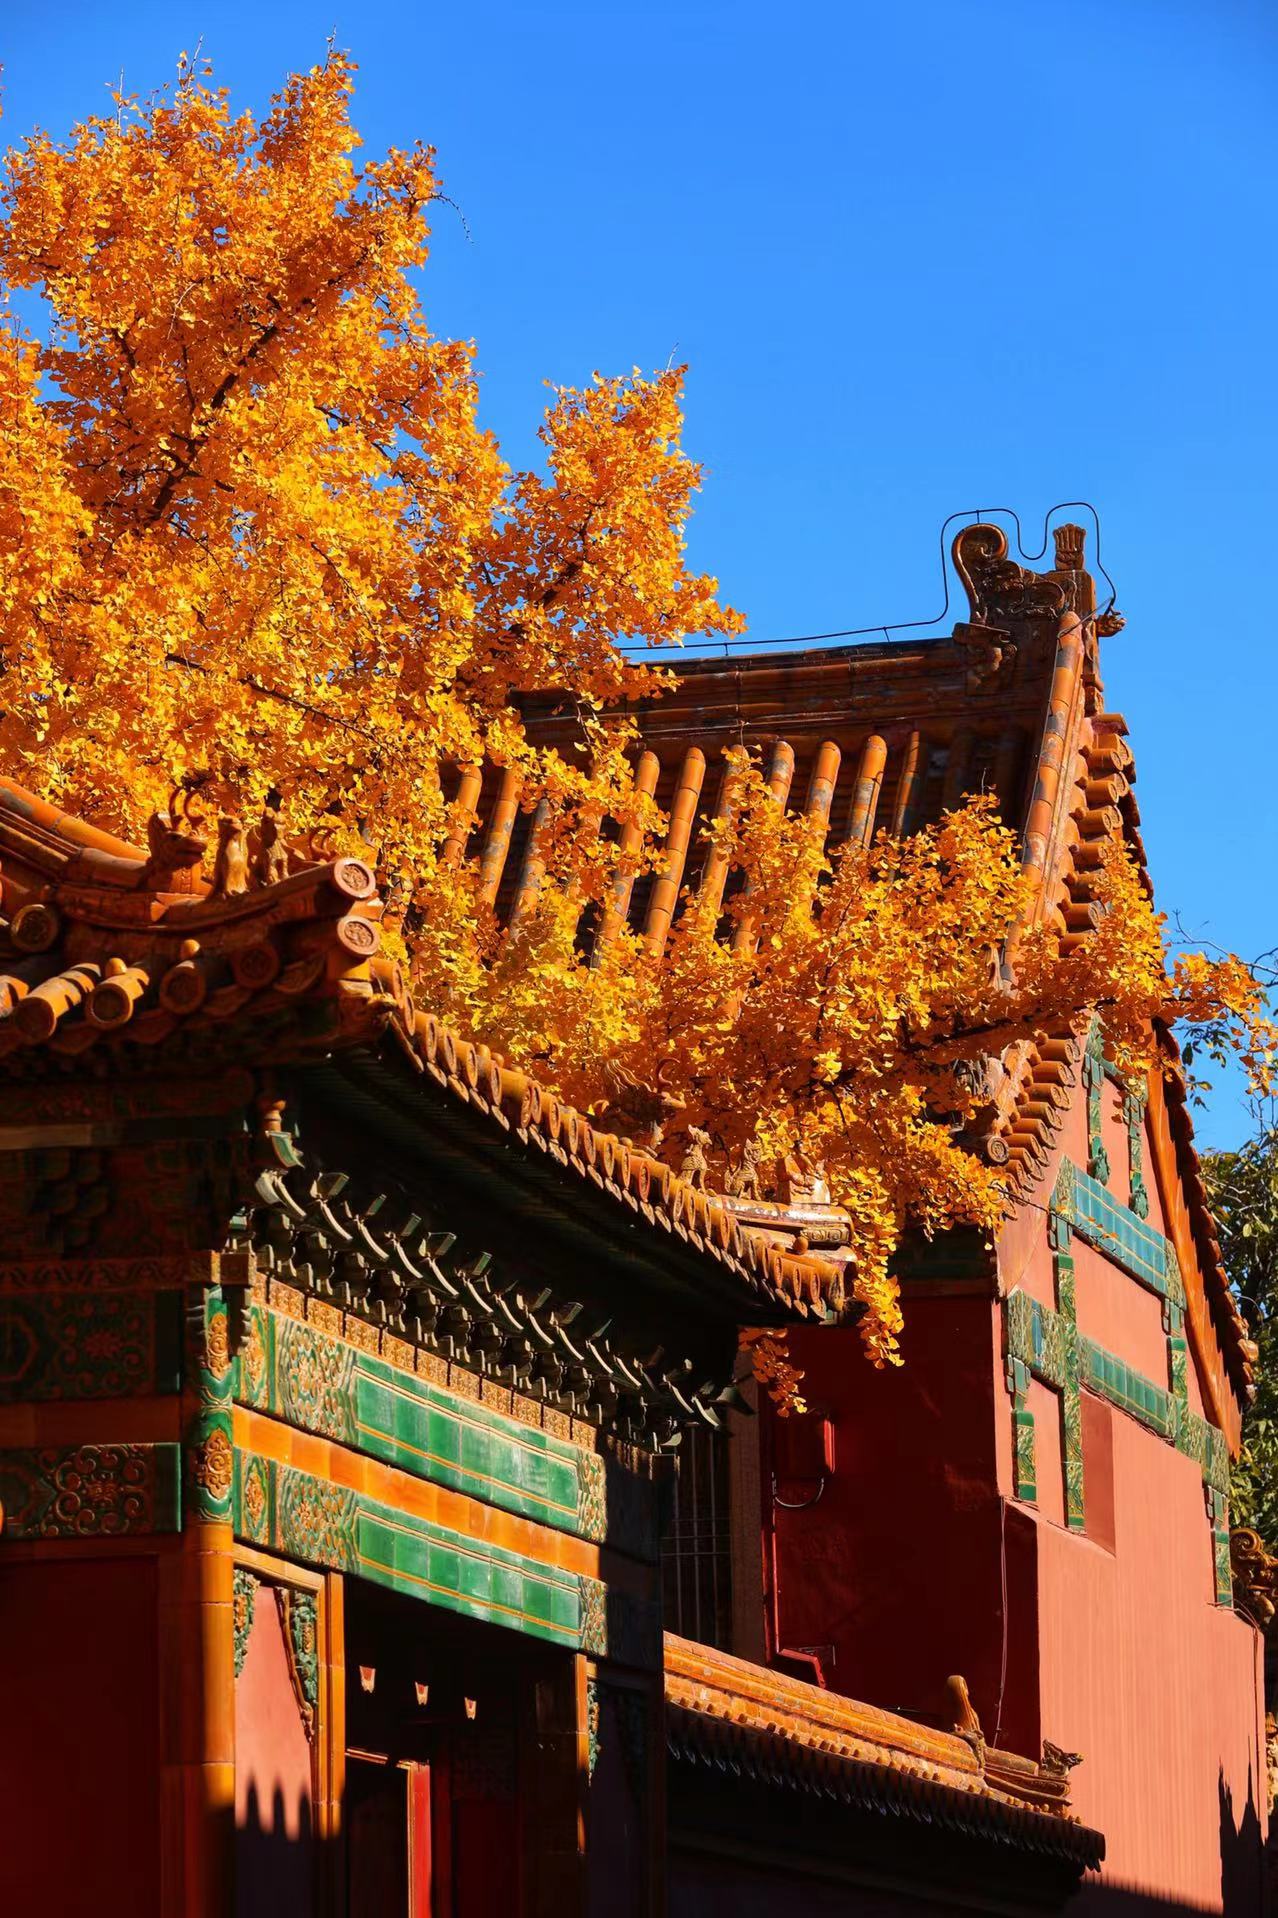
725	1712
111	959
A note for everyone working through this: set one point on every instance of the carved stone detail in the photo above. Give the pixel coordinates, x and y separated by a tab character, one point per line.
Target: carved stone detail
743	1180
695	1166
640	1111
1000	592
803	1179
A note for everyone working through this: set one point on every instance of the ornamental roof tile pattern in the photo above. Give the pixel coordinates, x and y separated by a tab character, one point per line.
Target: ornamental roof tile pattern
725	1711
113	959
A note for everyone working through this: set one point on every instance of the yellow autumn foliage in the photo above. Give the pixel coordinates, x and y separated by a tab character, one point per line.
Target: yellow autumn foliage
255	541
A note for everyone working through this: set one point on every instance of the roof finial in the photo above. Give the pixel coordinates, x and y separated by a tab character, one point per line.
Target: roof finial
1070	542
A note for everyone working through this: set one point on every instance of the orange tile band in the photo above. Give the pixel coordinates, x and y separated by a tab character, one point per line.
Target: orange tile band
325	1459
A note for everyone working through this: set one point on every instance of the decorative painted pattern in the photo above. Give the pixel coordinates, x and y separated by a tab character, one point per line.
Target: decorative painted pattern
592	1725
91	1491
244	1607
594	1617
210	1451
1135	1102
1094	1084
299	1615
1096	1070
319	1523
324	1385
89	1345
1218	1509
45	1275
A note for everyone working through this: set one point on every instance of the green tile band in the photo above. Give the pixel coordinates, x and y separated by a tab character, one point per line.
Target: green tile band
1044	1343
1135	1100
1116	1231
1034	1335
323	1385
1096	1070
1113	1379
311	1519
1094	1082
1222	1562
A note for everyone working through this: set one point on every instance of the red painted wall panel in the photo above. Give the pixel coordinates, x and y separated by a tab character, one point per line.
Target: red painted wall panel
893	1576
1155	1685
1119	1314
79	1756
274	1799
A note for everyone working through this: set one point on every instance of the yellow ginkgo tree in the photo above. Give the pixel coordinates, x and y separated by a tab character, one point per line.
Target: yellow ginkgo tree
255	541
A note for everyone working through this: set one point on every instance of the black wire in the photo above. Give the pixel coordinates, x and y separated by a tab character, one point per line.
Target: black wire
977	515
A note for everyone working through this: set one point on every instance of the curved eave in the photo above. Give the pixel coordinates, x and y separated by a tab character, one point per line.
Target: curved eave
594	1220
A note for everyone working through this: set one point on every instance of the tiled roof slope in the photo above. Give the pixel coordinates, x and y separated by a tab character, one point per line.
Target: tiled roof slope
724	1711
872	737
885	736
110	958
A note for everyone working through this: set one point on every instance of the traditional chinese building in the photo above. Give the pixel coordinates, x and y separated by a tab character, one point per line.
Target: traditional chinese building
342	1375
1038	1499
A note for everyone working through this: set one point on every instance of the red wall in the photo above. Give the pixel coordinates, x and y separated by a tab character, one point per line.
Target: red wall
79	1777
916	1562
895	1571
1154	1684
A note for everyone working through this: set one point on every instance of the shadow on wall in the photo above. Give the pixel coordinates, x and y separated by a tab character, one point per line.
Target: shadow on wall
1241	1853
277	1866
1242	1873
274	1859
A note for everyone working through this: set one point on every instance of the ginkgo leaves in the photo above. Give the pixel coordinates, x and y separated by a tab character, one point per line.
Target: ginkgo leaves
254	537
258	498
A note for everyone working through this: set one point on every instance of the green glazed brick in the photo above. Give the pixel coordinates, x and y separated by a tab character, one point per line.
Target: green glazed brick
1047	1345
475	1577
565	1608
443	1438
444	1568
1117	1233
322	1385
507	1588
1026	1474
1019	1320
476	1454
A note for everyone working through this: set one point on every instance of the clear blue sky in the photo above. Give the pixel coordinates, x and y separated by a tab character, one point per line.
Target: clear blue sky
920	258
